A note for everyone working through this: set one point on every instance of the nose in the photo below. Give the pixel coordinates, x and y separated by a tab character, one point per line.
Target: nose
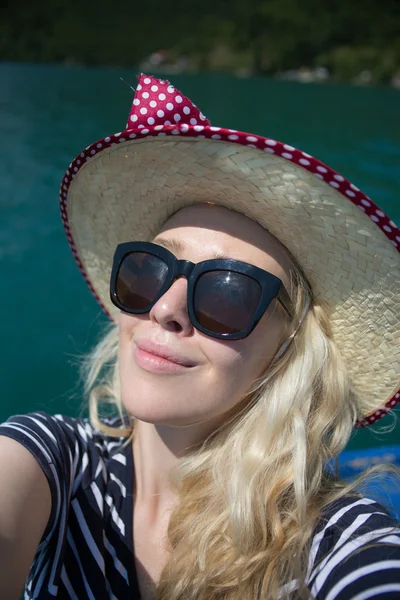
171	311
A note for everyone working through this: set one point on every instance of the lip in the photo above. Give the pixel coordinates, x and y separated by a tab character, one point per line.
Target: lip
160	358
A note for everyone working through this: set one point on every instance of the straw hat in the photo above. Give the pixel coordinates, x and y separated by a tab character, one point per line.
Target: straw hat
125	186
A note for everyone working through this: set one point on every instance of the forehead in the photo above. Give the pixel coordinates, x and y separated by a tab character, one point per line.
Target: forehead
206	231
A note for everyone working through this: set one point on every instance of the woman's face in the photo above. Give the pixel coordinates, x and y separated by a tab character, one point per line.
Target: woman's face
219	372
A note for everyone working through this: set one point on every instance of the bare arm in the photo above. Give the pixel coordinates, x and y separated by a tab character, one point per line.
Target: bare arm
25	505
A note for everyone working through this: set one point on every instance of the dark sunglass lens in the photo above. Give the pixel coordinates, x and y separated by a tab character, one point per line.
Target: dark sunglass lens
225	301
140	279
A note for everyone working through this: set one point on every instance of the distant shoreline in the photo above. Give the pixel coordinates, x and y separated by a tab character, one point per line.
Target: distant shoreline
355	43
304	75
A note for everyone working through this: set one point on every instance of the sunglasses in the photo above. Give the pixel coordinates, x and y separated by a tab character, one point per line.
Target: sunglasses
226	298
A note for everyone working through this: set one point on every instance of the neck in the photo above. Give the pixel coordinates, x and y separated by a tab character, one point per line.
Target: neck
156	451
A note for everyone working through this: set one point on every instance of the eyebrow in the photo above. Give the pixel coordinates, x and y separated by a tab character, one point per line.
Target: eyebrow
178	247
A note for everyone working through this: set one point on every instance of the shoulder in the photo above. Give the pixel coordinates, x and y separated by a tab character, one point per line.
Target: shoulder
64	432
71	452
342	513
355	548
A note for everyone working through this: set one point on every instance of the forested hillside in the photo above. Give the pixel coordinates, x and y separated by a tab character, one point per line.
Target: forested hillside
344	37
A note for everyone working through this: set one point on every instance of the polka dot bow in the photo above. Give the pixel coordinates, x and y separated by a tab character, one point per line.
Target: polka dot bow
157	103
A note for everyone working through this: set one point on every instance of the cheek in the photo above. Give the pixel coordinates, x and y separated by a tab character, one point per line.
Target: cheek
234	365
127	326
261	345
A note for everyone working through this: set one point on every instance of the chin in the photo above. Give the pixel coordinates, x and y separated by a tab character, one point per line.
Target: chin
158	408
156	399
165	419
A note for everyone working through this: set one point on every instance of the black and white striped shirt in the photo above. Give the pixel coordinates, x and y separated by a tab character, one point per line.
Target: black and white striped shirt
87	549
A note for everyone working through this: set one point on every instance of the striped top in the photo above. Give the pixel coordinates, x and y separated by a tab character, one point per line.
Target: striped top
87	553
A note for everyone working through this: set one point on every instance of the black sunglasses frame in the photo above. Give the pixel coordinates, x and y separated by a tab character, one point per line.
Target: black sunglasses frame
271	286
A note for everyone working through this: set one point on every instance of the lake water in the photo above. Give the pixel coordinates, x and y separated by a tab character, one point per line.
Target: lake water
48	318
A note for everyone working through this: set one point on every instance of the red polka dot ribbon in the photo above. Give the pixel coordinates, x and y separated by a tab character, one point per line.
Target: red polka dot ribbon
157	103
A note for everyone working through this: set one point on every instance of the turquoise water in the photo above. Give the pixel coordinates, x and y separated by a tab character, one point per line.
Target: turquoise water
48	318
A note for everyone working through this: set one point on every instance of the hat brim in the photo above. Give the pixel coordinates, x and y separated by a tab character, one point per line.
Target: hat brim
128	190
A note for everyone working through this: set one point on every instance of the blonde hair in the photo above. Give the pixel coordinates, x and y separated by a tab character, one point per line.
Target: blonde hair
250	497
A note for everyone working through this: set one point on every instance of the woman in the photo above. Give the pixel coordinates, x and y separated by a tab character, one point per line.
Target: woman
255	314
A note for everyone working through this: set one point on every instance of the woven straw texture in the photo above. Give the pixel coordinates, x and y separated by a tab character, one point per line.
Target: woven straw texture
128	192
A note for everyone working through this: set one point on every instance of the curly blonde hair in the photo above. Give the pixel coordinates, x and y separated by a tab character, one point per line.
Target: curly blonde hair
250	496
